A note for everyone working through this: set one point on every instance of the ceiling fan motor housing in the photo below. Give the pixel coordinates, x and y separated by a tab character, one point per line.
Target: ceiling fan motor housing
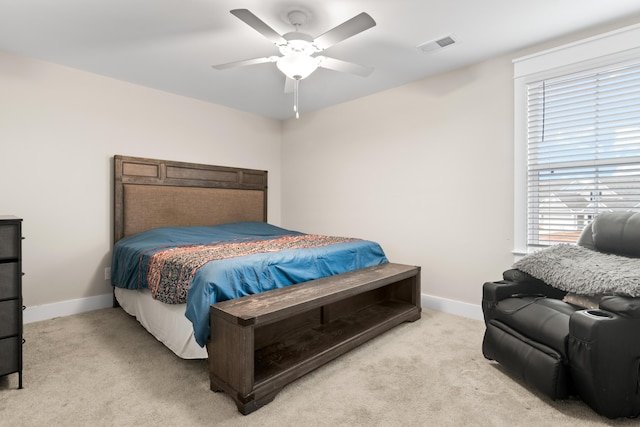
298	43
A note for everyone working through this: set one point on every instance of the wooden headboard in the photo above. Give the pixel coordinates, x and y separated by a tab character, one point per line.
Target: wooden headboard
151	193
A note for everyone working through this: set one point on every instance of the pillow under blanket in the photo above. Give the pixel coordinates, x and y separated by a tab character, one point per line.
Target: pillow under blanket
583	271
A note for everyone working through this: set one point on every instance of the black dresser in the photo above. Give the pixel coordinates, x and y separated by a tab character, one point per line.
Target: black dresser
11	296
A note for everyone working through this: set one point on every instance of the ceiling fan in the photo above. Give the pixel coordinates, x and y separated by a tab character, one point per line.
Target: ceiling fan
298	49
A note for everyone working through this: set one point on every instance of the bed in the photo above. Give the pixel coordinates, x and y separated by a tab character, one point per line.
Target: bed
162	210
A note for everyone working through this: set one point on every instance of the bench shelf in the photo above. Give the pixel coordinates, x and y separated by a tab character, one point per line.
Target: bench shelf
262	342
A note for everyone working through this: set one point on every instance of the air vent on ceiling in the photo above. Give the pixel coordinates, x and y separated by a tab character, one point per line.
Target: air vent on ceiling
438	43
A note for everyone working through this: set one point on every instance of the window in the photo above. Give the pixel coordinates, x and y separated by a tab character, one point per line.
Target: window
577	138
583	145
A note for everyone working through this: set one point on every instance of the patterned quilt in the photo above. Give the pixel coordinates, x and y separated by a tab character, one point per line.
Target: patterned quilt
170	271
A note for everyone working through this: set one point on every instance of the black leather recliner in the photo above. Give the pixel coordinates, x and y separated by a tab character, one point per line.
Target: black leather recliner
563	349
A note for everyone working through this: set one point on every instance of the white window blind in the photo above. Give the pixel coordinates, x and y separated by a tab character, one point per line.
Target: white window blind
583	150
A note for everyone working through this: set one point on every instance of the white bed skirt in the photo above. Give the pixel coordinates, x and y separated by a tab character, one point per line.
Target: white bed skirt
166	322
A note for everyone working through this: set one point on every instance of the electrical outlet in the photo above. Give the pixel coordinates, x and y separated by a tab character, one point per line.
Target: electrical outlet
107	273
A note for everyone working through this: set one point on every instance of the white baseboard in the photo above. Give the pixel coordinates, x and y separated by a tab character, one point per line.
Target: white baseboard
66	308
76	306
464	309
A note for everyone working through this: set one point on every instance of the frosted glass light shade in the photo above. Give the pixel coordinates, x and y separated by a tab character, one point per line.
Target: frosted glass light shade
297	66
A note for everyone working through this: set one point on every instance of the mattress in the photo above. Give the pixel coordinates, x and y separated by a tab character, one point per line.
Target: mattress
166	322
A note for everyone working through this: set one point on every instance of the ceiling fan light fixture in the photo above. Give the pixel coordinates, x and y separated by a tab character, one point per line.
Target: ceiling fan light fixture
297	66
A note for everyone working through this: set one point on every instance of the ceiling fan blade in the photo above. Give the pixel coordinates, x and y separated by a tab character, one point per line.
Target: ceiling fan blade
347	29
257	24
245	62
288	85
345	67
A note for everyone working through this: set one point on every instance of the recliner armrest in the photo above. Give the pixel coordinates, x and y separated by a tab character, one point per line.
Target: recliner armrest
497	291
624	306
604	350
494	292
516	284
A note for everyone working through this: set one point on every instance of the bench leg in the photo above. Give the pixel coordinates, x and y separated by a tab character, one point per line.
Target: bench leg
246	408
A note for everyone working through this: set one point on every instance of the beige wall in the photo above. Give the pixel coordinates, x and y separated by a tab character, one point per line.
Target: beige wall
59	129
425	169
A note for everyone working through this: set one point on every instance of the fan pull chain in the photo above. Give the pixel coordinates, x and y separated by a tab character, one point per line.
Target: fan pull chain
295	97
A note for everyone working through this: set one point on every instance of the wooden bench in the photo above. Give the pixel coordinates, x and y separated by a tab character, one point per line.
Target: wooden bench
260	343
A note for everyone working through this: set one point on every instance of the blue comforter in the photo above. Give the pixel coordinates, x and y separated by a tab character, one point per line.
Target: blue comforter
224	279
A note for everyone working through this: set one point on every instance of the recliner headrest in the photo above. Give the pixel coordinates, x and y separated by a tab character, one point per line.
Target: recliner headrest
617	233
586	237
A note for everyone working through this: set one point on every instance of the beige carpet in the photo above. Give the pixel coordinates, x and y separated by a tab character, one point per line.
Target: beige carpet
102	368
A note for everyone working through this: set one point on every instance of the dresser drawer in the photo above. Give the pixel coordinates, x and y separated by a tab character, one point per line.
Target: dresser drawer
9	280
9	318
10	354
9	241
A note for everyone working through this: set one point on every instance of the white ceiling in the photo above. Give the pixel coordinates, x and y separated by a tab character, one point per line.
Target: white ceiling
171	44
